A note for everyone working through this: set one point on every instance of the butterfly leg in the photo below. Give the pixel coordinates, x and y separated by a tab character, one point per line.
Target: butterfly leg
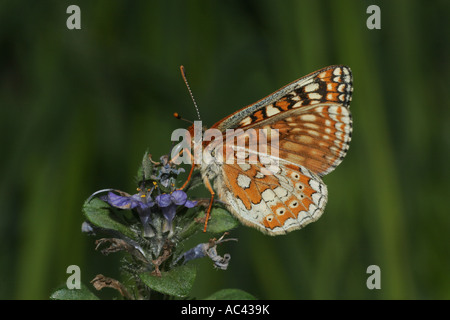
208	185
188	178
190	172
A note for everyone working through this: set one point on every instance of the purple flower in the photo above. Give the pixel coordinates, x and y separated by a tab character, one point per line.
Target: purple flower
208	249
169	203
199	251
144	205
139	201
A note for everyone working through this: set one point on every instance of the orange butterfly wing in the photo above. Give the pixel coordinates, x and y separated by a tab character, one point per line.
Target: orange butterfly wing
314	125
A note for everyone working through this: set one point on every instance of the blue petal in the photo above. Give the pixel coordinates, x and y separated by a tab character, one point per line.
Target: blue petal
194	253
142	202
190	204
120	201
146	205
179	197
169	212
163	200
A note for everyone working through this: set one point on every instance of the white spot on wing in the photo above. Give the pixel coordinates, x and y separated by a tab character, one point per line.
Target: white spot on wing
298	104
319	109
312	87
308	117
316	197
314	184
303	216
243	181
281	193
259	175
314	95
308	125
246	121
268	196
271	110
337	71
244	166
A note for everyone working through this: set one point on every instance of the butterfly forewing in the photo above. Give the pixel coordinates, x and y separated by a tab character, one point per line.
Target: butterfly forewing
329	85
317	138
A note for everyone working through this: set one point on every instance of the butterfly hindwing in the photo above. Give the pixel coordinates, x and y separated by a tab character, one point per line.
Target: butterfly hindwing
273	201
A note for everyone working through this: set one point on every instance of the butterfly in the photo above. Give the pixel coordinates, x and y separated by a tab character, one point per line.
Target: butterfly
312	119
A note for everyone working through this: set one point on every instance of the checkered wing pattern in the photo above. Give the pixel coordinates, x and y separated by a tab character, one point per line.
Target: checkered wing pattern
312	119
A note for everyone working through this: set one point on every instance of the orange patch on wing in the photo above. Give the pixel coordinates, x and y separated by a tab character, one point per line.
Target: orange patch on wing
266	182
258	115
307	190
283	104
332	86
312	150
306	202
294	211
333	96
281	217
240	193
292	167
326	74
324	113
271	222
252	194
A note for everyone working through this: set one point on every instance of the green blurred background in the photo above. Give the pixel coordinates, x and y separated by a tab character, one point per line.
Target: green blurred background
78	108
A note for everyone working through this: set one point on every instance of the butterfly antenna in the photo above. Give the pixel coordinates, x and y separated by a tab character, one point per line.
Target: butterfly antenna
183	74
177	115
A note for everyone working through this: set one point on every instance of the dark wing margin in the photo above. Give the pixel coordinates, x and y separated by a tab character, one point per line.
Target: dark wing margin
332	84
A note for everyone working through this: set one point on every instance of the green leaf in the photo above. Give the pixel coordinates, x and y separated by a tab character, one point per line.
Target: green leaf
100	214
176	282
221	220
64	293
231	294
